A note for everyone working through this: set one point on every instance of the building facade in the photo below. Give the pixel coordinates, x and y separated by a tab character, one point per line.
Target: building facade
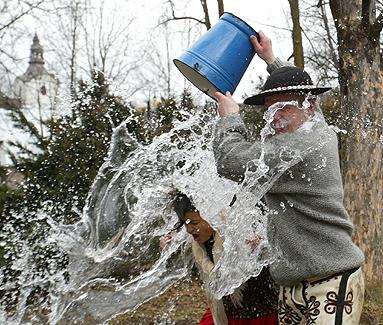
37	90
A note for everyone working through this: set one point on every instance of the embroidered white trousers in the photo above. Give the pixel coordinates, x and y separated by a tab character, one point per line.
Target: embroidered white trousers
335	300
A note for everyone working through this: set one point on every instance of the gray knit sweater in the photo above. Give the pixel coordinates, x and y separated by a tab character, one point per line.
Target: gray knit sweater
311	228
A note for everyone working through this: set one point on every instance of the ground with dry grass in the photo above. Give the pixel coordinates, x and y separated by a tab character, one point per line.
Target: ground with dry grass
373	307
185	303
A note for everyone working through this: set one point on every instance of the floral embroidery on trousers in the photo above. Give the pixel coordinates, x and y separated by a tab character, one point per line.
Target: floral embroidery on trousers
332	303
335	300
287	316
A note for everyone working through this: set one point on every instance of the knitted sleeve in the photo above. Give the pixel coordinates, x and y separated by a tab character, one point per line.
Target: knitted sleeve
231	149
278	63
234	155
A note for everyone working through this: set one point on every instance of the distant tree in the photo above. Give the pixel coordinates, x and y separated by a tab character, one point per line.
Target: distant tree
160	115
110	47
187	102
319	34
160	79
9	197
56	182
64	168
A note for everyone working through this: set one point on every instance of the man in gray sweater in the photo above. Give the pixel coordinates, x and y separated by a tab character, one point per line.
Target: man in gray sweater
319	266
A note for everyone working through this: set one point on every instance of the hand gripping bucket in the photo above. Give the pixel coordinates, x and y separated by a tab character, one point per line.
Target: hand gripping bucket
218	60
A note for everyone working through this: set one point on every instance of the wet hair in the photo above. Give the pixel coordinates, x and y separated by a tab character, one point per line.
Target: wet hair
181	206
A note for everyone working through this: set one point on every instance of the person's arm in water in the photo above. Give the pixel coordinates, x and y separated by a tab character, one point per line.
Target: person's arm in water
164	241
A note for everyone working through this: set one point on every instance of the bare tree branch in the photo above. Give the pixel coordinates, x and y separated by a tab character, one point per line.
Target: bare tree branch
329	38
181	18
272	26
12	57
320	55
74	36
174	17
14	19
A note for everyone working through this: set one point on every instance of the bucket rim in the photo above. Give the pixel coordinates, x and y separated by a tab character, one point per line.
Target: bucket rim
175	61
241	20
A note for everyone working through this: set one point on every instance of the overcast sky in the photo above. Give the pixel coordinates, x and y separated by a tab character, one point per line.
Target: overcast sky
269	16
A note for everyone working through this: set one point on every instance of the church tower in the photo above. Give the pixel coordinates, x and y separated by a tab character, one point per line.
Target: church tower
37	88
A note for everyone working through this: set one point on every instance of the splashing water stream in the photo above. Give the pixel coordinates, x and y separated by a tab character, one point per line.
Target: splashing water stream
114	260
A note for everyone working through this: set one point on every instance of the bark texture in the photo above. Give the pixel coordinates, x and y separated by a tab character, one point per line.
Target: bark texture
221	9
361	82
297	34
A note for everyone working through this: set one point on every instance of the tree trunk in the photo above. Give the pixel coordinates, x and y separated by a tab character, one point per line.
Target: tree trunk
221	9
297	34
361	82
74	36
206	13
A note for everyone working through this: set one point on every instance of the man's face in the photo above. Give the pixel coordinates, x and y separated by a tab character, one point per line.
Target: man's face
289	117
197	227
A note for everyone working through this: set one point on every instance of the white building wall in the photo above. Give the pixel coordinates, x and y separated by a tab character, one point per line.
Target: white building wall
39	92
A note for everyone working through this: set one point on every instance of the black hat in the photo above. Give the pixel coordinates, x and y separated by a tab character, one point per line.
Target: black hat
287	79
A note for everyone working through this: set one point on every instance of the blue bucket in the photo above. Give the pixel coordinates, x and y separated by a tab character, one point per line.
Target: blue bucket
218	60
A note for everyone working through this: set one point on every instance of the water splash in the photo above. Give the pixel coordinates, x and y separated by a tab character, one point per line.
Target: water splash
114	260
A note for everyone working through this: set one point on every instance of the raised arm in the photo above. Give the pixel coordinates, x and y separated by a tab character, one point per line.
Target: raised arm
264	49
232	151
